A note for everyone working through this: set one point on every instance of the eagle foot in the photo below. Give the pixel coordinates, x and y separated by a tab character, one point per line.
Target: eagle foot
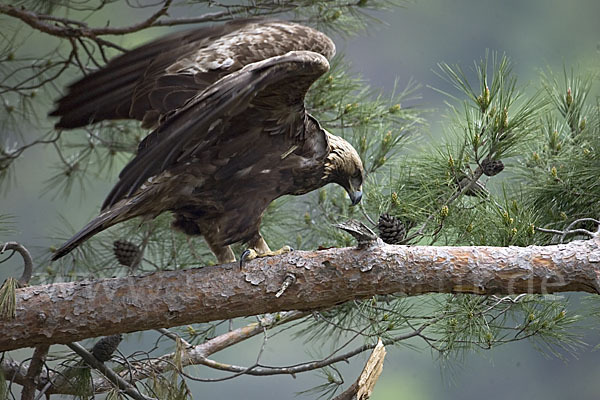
251	254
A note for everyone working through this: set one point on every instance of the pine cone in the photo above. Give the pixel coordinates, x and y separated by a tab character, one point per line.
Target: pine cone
392	230
126	252
492	167
105	347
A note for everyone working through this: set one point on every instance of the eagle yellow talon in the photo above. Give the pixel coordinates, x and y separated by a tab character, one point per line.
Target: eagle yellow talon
251	254
283	250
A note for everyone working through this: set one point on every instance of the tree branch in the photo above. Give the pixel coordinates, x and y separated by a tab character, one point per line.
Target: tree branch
69	28
34	371
27	260
262	370
80	29
195	355
67	312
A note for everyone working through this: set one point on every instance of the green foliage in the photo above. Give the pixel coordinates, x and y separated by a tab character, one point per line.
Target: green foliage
165	388
493	223
171	386
332	382
494	118
347	106
378	127
163	249
451	325
8	307
485	322
550	326
341	16
79	377
560	170
379	317
436	188
569	97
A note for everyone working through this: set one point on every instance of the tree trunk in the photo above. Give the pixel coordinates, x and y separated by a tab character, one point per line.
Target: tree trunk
67	312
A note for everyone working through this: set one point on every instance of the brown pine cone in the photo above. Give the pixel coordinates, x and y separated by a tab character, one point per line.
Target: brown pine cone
492	167
105	347
126	252
392	230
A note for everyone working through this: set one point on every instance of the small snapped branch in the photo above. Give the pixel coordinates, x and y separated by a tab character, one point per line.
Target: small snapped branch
67	312
364	385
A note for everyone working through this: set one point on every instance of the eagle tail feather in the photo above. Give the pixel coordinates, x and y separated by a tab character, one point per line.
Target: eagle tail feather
103	221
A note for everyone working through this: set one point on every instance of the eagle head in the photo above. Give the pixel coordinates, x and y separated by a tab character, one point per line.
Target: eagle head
344	167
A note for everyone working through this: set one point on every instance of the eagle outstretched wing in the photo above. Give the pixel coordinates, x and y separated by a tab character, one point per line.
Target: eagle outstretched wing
159	77
264	98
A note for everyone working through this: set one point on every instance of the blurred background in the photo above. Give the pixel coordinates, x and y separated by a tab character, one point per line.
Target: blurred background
407	44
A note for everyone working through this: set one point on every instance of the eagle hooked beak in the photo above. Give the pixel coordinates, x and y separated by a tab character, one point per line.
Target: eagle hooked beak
355	195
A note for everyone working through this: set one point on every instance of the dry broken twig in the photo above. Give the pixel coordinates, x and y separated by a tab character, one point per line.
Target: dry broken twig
364	385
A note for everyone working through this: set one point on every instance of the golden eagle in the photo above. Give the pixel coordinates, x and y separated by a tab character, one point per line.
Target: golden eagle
231	133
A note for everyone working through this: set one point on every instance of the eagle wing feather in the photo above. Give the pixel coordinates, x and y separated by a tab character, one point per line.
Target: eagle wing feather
267	95
159	77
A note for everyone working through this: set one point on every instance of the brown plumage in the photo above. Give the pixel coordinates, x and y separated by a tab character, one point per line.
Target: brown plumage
232	132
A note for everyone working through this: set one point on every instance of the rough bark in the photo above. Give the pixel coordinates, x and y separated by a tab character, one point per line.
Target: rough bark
67	312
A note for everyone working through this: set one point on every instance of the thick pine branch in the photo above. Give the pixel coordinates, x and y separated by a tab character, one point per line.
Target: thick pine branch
67	312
